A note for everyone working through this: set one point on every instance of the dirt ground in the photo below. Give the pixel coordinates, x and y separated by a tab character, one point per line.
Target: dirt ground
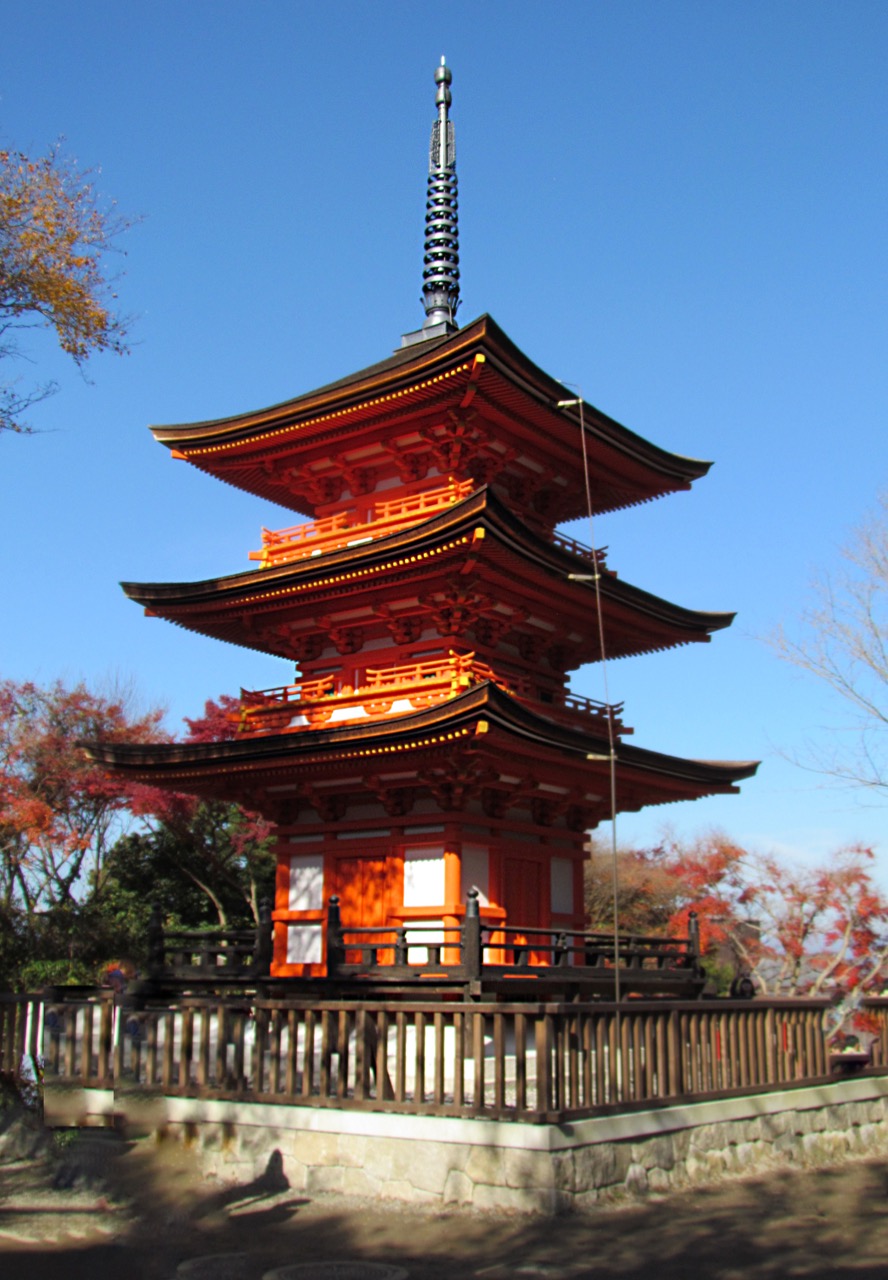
106	1208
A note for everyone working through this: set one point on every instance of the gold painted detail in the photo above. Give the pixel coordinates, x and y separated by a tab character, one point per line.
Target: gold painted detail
328	417
351	574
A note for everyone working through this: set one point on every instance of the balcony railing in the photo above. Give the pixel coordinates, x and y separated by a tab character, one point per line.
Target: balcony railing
597	555
281	546
398	690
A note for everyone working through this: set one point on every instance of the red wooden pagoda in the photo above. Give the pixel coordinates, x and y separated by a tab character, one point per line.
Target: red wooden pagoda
429	743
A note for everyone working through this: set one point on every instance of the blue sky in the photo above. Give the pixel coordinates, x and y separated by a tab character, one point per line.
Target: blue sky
681	207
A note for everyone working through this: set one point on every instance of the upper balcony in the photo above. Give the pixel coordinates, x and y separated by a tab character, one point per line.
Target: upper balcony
346	529
281	546
399	690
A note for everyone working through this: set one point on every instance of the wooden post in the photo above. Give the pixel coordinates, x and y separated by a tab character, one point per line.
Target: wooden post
362	1055
471	938
155	940
335	949
186	1050
693	939
264	941
543	1041
106	1062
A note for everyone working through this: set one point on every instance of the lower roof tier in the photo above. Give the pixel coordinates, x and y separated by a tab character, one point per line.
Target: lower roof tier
480	747
472	572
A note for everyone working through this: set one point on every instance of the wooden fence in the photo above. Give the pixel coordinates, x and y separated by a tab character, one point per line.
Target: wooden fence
21	1035
519	1061
876	1009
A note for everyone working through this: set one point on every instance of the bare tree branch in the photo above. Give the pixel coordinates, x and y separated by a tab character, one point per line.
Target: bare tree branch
843	643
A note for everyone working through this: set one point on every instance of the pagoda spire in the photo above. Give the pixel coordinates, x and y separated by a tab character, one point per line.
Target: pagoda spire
440	277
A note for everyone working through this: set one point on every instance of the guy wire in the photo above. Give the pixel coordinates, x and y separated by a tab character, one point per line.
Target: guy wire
611	736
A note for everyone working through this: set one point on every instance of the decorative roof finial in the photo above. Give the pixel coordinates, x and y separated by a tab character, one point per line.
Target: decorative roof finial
440	277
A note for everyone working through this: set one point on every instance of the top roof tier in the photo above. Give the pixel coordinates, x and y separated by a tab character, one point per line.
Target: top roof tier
469	405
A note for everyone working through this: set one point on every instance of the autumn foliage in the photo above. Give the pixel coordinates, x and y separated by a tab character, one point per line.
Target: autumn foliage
795	929
55	237
83	853
60	813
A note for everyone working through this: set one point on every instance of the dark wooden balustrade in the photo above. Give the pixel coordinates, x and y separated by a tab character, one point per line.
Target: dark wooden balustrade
209	957
523	1061
490	957
477	955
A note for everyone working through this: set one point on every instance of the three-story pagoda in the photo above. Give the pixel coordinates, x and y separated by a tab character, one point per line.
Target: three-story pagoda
429	743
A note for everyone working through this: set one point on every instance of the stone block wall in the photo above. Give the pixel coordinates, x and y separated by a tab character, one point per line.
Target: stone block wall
489	1165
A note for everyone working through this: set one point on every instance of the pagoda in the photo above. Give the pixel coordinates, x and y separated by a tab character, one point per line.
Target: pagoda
429	744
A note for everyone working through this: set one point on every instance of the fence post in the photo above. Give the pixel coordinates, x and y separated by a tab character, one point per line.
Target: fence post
155	940
471	931
264	940
335	949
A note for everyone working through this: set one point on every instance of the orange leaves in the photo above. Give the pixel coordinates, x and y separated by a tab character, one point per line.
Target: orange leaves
55	236
59	811
797	929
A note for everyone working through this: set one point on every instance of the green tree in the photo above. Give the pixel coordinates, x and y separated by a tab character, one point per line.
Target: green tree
206	863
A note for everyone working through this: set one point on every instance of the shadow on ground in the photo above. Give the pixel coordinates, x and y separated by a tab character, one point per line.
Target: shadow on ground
105	1208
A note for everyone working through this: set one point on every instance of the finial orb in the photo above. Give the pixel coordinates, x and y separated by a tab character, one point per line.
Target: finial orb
443	75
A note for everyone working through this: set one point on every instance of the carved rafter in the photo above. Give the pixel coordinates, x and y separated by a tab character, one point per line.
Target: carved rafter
544	492
409	466
303	483
492	628
285	811
563	657
461	780
330	806
404	628
346	640
360	480
456	608
308	646
397	801
495	801
531	646
456	444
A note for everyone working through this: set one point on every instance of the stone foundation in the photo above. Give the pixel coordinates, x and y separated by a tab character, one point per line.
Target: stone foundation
493	1165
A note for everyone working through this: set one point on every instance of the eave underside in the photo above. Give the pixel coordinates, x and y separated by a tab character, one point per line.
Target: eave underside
483	738
506	397
476	551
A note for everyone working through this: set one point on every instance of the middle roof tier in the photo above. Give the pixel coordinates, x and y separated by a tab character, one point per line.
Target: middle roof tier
473	572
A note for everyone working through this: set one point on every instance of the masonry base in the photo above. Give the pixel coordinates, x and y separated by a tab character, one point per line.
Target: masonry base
497	1165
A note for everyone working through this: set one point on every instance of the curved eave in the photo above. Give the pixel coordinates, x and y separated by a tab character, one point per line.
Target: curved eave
188	602
419	375
471	715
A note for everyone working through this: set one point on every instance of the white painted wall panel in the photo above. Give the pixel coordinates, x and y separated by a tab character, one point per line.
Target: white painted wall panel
423	877
306	882
304	944
562	885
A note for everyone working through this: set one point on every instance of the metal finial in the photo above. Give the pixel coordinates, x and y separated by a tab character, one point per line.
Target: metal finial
440	277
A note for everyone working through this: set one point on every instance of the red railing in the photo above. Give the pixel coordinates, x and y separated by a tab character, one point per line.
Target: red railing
280	546
398	690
